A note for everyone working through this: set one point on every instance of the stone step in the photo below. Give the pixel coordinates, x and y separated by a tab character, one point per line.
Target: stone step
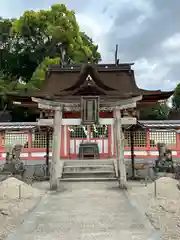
78	168
88	179
88	162
89	174
89	169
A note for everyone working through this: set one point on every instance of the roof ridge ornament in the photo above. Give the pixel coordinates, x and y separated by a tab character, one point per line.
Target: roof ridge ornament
89	80
116	56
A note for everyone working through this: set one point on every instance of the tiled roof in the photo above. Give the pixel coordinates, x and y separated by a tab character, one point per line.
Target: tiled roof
17	126
149	124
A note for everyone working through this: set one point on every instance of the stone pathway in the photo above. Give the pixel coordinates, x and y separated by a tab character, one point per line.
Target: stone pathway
84	211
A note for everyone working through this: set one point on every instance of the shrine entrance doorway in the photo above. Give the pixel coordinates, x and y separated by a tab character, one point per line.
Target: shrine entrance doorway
100	134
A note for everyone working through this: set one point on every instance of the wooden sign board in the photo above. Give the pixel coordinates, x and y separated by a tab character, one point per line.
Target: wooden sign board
89	110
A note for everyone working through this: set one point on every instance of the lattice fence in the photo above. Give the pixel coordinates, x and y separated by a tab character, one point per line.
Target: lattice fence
39	140
99	131
95	131
77	131
13	138
167	137
140	139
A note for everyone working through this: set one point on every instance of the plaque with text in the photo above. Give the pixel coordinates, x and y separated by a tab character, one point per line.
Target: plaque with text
90	110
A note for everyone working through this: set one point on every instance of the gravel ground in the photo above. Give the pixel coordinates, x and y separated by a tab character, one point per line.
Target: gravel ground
13	209
12	213
163	211
86	211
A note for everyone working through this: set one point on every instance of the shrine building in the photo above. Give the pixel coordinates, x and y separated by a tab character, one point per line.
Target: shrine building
89	107
112	84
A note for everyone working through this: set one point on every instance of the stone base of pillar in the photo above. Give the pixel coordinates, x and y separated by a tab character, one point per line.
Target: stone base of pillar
123	177
123	185
53	185
53	179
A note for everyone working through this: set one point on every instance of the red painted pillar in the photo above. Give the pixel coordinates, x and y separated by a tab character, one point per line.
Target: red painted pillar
178	144
2	143
114	139
68	142
29	144
1	139
62	142
148	144
109	142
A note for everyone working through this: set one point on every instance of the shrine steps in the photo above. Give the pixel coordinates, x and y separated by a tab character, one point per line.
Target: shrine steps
89	170
87	179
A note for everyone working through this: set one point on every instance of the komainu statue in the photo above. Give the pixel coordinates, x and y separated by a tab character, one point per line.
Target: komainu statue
164	163
13	163
177	172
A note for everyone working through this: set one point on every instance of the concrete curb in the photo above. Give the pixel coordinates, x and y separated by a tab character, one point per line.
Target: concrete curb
155	234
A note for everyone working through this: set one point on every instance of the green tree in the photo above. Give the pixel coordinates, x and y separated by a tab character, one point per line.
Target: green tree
158	111
6	86
87	41
35	40
7	56
39	74
176	98
49	33
53	33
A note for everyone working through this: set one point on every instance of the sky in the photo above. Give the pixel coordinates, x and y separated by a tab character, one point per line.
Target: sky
146	31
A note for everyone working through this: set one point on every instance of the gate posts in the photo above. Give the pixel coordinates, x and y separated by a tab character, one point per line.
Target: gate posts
56	168
119	137
54	172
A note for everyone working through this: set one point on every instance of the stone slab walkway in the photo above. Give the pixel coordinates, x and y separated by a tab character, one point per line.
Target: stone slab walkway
84	211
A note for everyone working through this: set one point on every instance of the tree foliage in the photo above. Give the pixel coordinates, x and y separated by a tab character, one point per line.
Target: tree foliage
158	111
176	98
53	33
39	74
35	40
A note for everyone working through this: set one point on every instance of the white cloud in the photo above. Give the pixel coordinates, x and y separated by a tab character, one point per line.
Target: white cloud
90	26
172	43
151	75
